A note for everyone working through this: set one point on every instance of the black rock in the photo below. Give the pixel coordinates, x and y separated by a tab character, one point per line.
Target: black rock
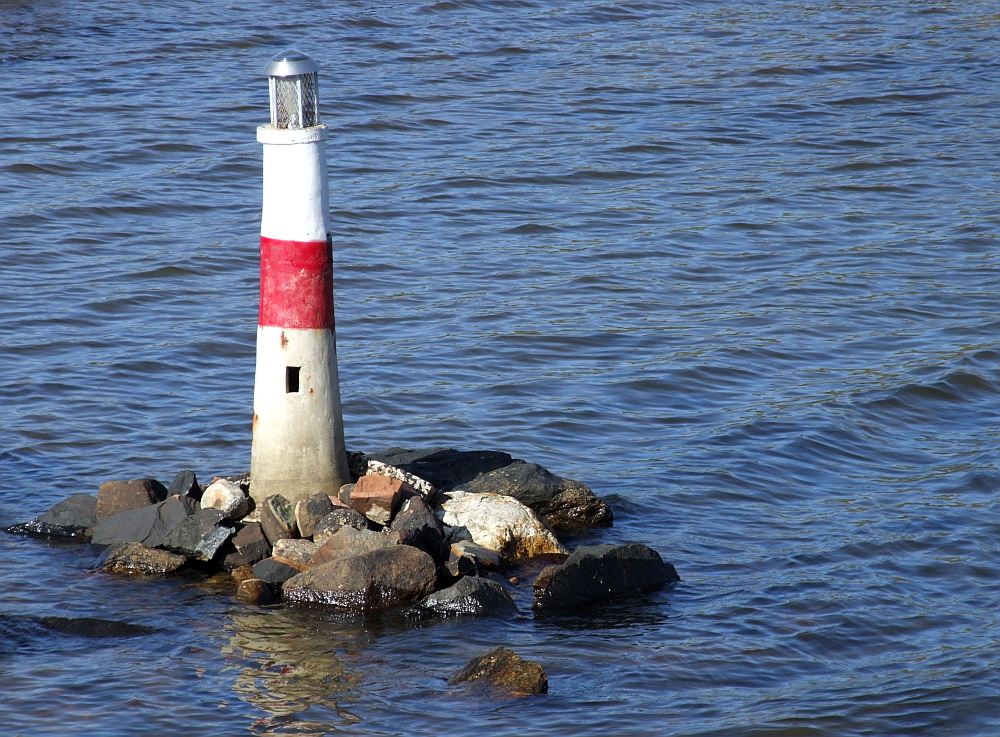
445	468
92	627
597	572
473	596
74	517
419	526
199	536
276	571
148	525
185	484
251	543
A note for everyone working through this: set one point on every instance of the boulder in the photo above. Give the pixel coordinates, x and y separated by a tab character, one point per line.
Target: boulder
444	468
199	536
309	512
115	497
74	517
500	523
377	497
348	541
227	497
563	504
338	518
185	484
251	543
473	596
135	559
276	571
277	518
148	525
370	581
417	525
597	572
298	549
503	670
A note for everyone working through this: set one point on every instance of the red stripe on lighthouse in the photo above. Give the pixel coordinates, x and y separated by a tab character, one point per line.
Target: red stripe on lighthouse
296	284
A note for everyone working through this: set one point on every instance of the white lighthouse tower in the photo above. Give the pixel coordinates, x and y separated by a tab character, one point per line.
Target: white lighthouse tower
298	430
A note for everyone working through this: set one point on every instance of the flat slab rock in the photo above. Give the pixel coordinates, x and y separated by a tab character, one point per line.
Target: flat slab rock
599	572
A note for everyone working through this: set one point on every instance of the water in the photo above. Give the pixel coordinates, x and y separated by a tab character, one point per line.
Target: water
732	264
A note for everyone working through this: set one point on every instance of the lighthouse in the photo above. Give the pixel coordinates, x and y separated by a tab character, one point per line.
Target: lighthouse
298	431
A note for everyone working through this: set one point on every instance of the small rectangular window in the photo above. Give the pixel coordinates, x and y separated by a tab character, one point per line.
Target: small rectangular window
292	379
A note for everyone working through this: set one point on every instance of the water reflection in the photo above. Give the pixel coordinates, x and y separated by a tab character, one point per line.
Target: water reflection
293	661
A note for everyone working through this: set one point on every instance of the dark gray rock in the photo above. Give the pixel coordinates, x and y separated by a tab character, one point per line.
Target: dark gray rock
185	484
135	559
472	596
598	572
418	526
94	627
563	504
309	512
370	581
340	517
115	497
277	518
445	468
251	543
74	517
503	670
276	571
199	536
148	525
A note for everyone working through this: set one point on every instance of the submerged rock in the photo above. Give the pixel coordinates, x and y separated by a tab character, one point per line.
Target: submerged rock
503	670
370	581
135	559
472	596
255	591
500	523
598	572
93	627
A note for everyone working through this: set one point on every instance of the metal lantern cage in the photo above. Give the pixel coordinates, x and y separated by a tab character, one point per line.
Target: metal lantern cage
293	78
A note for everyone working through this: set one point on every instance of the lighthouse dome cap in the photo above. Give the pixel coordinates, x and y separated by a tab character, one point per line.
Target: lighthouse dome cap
290	63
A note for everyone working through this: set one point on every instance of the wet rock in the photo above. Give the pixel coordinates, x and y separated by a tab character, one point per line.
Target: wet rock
199	536
148	525
309	512
472	596
277	518
338	518
227	497
503	670
276	571
348	541
459	565
500	523
255	591
597	572
93	627
135	559
251	543
298	550
417	525
185	483
563	504
115	497
377	497
370	581
74	517
241	574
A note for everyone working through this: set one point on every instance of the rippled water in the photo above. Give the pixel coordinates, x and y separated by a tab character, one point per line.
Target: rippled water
732	264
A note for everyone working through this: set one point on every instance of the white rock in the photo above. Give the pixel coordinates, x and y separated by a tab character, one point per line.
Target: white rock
497	522
227	497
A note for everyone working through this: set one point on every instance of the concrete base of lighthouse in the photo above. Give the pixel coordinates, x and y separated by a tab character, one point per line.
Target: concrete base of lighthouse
298	440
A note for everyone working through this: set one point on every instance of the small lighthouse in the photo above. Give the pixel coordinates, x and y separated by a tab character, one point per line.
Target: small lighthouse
298	431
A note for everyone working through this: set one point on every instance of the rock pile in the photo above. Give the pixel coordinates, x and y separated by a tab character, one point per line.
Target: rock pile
431	529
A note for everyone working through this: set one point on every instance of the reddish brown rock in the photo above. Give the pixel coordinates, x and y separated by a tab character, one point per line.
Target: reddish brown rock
115	497
255	591
377	497
135	559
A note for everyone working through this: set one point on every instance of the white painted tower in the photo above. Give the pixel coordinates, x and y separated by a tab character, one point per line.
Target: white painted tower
298	430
